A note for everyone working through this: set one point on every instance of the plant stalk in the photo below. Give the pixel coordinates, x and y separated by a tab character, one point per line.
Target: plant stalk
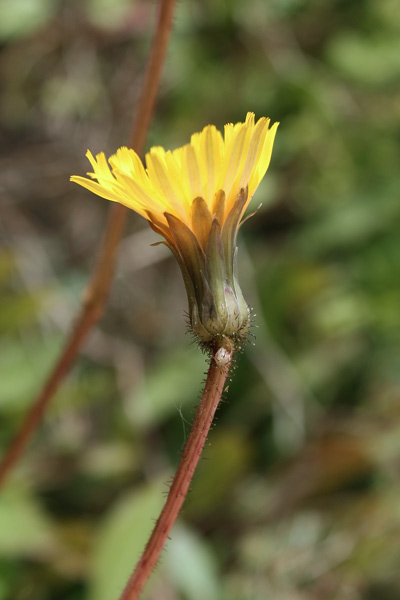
210	400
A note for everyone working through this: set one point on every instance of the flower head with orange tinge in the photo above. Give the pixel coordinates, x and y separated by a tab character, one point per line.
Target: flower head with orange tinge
195	197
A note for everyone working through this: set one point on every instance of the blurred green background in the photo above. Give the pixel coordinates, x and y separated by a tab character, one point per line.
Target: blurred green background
298	498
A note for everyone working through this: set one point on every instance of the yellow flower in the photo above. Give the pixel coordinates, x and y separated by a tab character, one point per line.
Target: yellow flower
195	197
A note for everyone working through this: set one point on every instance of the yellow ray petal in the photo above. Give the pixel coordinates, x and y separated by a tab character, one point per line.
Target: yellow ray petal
232	158
264	160
193	171
253	152
113	195
209	148
160	179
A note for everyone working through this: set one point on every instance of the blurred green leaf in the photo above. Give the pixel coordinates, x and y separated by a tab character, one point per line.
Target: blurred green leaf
174	382
109	14
227	454
353	222
372	60
18	311
191	565
23	368
25	528
121	539
23	17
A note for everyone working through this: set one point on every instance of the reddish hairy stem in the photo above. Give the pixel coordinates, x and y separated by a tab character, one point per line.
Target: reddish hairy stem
211	397
98	287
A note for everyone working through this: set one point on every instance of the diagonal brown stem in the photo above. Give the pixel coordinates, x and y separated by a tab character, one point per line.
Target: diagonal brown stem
210	399
97	290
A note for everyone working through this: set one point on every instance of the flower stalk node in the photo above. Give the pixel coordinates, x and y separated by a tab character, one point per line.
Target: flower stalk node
223	356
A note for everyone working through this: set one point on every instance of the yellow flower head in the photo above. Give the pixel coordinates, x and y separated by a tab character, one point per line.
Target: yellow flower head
195	197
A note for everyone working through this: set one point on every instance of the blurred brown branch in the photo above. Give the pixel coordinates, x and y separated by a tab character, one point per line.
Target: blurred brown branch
98	287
